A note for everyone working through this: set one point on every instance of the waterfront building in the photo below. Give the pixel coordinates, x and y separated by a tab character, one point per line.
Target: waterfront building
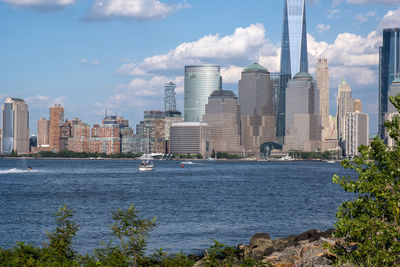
356	132
154	127
200	82
170	118
32	142
389	67
56	120
322	78
393	91
345	104
223	118
169	97
134	144
80	137
256	108
105	138
294	57
303	119
190	138
43	126
275	78
140	128
15	126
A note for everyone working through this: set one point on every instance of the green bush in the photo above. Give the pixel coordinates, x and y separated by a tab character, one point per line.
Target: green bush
370	224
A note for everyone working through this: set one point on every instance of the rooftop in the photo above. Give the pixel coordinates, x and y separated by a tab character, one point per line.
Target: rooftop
256	67
223	93
302	75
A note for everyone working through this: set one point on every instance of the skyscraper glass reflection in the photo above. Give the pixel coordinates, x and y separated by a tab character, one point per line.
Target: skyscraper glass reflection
294	53
200	82
389	61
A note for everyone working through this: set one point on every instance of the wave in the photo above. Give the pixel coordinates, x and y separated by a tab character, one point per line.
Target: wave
14	170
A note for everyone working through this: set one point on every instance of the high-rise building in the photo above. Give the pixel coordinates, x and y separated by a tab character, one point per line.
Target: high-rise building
322	78
345	104
389	117
43	132
223	118
357	105
56	120
356	132
256	108
389	66
154	127
200	82
393	91
15	125
294	57
169	97
303	119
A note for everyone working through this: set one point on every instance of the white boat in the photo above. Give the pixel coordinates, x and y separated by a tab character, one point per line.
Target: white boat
187	163
330	161
146	166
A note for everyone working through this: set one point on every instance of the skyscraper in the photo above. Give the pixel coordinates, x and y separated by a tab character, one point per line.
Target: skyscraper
56	120
256	105
294	56
322	77
303	120
15	124
389	61
43	132
223	118
393	91
169	98
200	82
345	104
356	132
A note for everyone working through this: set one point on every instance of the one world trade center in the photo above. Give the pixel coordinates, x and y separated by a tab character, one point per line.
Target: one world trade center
293	53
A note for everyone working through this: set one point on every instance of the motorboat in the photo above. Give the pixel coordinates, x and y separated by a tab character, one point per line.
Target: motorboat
330	161
146	166
187	162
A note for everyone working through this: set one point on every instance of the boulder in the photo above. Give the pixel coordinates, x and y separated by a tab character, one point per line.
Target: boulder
259	239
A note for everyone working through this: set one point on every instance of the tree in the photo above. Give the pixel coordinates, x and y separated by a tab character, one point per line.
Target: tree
60	240
370	224
132	232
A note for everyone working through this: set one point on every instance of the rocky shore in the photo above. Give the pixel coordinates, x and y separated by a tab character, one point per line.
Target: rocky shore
309	249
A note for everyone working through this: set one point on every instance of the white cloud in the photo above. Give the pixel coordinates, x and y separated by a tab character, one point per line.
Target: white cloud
390	20
140	10
41	101
366	2
84	61
40	5
242	47
323	28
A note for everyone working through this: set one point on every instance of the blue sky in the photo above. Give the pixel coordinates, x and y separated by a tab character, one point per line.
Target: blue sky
116	55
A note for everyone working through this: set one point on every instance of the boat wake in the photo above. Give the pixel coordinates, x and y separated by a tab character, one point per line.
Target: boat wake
14	170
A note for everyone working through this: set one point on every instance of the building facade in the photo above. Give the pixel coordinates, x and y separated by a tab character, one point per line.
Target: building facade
322	78
190	138
345	104
169	97
356	132
389	66
43	126
393	91
256	108
303	119
15	126
223	118
200	82
294	57
56	120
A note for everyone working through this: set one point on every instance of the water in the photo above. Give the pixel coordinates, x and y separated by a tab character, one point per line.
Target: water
225	201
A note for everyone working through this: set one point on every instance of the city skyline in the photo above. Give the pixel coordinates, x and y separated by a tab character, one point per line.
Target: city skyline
126	74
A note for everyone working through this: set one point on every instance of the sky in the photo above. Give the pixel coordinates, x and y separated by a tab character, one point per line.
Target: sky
116	55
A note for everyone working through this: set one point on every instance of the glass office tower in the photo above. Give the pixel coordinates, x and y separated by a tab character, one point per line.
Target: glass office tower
294	53
200	82
169	98
389	58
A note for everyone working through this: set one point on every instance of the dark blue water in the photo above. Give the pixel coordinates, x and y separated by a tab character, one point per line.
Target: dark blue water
225	201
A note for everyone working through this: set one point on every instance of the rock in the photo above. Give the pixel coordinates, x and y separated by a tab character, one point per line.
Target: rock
259	239
310	252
